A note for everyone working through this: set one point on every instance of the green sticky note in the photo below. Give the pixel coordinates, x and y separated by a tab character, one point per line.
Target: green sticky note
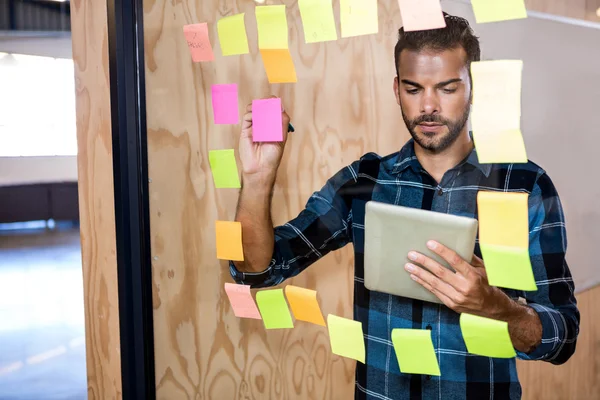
486	337
224	169
508	267
346	337
317	20
415	353
272	27
274	309
498	10
232	35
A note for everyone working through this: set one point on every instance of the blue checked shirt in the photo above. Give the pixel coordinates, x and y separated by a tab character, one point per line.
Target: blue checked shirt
334	217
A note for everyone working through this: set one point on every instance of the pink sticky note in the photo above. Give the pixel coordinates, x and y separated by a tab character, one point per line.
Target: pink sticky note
225	104
266	120
421	15
241	301
199	42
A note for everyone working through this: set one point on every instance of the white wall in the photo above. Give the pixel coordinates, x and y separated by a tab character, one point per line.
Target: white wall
24	170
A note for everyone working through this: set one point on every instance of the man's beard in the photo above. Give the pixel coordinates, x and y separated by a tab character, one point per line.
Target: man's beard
454	130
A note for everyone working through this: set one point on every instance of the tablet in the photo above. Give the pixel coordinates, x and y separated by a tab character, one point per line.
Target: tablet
392	231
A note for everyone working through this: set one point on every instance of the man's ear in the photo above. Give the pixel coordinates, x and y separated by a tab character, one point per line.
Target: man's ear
396	90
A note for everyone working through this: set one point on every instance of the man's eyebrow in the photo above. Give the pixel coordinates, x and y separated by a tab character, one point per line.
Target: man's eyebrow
449	81
411	83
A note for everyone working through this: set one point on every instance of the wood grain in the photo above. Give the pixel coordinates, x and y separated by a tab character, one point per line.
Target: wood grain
578	9
578	378
96	204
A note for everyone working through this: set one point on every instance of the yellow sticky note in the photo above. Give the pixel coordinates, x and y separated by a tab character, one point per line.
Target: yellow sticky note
503	218
358	17
304	304
486	337
420	15
274	309
508	267
317	20
224	169
229	240
496	114
415	353
498	10
232	35
279	66
272	27
346	337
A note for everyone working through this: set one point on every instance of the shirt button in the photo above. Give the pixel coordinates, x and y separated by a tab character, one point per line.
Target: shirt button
428	377
428	327
440	191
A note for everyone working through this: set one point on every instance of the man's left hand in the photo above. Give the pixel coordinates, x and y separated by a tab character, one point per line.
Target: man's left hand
466	290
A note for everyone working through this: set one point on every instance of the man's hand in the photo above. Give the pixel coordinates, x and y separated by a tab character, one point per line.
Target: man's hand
466	290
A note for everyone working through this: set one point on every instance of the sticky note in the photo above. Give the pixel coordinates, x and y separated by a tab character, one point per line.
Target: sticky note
232	35
358	17
304	304
486	337
279	66
273	309
420	15
504	239
496	113
414	351
346	337
498	10
198	42
267	123
317	20
272	27
241	301
229	240
224	169
225	104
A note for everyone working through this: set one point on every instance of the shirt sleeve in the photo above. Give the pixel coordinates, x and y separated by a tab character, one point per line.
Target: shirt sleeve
554	301
323	226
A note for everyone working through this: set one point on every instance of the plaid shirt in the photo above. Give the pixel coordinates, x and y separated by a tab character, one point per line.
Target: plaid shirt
334	217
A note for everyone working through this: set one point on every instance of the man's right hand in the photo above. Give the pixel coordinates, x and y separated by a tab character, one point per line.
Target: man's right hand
260	160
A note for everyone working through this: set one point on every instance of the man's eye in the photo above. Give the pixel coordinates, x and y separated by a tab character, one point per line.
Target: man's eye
412	91
449	91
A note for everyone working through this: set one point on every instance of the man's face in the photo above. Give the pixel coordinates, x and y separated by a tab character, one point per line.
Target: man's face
434	91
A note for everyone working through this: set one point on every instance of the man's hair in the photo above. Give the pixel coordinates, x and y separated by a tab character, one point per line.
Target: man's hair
456	34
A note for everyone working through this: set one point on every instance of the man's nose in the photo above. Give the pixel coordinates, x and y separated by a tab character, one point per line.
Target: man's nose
430	103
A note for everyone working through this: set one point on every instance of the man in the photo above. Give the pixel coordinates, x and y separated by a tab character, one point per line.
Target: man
437	170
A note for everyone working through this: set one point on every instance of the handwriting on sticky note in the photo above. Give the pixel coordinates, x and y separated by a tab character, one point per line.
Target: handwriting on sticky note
241	301
224	169
420	15
229	240
317	20
504	239
486	337
273	309
198	42
279	66
225	104
346	337
358	17
498	10
304	304
232	35
415	353
272	27
267	124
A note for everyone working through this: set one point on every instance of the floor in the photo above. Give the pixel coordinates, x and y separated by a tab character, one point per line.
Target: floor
42	337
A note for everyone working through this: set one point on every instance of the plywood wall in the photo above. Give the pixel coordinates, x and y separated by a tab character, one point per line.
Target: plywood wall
578	9
96	204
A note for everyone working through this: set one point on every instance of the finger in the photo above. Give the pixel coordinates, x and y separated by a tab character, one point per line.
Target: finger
432	280
249	108
434	267
247	121
451	257
443	298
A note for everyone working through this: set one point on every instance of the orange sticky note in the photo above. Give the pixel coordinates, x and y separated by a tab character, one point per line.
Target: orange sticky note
229	241
241	301
199	42
304	304
279	65
421	15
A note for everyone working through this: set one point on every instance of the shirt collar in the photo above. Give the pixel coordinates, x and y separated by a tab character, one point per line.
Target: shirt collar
408	159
